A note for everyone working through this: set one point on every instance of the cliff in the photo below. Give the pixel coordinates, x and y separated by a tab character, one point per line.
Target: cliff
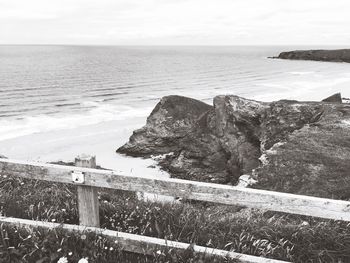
340	55
290	146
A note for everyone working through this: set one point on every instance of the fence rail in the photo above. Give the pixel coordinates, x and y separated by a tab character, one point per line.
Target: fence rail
141	244
88	179
216	193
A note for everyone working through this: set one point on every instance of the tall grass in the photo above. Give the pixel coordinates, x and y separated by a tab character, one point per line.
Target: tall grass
272	235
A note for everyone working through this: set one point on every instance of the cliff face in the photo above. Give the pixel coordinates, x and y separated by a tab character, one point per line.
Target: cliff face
340	55
299	147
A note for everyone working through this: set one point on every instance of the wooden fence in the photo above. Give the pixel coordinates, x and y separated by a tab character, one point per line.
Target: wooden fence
88	180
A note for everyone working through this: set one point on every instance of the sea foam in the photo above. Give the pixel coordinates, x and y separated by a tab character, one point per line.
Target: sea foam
13	128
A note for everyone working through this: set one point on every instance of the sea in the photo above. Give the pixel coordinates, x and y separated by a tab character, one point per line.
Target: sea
57	102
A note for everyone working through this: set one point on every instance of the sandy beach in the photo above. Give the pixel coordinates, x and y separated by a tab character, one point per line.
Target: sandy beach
100	140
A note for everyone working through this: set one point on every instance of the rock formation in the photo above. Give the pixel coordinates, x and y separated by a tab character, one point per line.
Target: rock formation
339	55
336	98
208	143
171	119
291	146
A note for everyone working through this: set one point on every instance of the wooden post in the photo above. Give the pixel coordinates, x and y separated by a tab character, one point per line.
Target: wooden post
87	196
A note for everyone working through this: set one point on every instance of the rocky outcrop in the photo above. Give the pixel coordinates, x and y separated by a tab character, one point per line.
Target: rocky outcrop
339	55
291	146
336	98
216	144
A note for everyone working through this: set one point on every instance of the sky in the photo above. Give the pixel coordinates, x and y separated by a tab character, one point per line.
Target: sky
175	22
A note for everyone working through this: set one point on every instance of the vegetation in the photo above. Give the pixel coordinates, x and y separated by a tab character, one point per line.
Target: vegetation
278	236
55	245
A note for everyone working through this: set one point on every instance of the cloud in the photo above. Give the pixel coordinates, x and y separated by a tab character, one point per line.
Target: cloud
175	21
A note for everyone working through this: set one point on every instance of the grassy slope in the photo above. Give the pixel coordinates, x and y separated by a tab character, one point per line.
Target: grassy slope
314	160
247	231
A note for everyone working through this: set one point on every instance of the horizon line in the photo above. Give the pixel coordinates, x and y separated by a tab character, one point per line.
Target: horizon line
170	45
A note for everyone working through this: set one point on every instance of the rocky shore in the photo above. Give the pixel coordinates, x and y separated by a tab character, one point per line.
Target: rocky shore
290	146
339	55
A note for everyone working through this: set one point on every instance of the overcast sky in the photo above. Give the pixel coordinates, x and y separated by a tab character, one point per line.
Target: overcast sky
175	22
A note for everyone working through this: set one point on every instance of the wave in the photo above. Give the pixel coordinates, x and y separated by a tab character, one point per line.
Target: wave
301	72
13	128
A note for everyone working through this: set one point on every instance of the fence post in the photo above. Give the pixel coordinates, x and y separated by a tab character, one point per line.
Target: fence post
88	205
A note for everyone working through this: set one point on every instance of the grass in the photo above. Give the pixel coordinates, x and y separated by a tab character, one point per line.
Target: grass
278	236
50	245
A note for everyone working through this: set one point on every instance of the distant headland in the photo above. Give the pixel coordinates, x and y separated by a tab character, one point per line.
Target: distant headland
338	55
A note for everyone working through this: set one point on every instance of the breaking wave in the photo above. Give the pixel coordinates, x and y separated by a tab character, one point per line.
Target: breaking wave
12	128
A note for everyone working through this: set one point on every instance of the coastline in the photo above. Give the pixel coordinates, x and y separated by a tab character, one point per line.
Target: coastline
334	55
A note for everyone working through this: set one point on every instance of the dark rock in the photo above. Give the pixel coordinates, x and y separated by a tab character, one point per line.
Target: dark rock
171	119
336	98
237	128
291	146
339	55
215	144
222	145
200	155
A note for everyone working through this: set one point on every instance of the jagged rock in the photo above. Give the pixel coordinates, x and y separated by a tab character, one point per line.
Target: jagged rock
215	144
339	55
237	127
336	98
171	119
200	155
291	146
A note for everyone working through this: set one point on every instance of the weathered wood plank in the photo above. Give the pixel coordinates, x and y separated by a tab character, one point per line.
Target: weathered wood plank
223	194
141	244
88	205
